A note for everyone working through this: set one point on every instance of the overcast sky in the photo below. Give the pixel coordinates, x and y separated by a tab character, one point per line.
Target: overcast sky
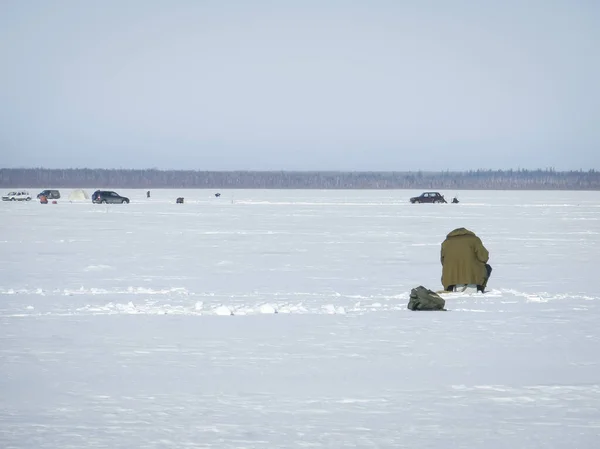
300	85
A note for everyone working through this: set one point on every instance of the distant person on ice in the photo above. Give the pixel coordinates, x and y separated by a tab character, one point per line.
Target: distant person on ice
464	261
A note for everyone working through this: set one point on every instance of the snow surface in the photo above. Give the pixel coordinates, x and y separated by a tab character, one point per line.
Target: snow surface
277	319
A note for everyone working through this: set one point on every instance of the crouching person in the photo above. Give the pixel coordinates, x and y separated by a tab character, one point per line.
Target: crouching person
464	261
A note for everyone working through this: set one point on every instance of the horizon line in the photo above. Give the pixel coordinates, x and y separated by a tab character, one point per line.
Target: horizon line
549	170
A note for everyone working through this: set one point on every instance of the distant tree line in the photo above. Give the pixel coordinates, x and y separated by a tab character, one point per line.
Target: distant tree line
547	179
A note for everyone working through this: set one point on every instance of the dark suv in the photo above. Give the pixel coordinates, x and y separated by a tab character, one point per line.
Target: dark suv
50	194
428	197
107	196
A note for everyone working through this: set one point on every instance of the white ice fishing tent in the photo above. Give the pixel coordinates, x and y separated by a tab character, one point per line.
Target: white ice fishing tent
79	195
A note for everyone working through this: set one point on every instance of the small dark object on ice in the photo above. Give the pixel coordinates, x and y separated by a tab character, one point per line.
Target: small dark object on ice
422	298
148	194
179	200
217	194
454	200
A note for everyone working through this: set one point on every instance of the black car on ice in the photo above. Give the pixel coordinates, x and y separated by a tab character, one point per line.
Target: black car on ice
108	197
428	197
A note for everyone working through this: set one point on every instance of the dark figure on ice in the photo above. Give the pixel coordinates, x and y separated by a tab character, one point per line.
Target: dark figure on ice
148	194
464	261
454	200
217	194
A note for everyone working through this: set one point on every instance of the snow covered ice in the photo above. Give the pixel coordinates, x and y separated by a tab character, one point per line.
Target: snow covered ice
277	319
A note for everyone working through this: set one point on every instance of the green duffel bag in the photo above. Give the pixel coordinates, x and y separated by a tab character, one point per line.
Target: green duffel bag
422	298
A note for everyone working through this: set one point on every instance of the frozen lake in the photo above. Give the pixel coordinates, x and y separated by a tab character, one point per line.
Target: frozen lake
277	319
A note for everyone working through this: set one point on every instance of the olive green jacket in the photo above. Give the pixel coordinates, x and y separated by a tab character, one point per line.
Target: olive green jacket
463	259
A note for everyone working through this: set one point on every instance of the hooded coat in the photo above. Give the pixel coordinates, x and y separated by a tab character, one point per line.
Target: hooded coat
463	259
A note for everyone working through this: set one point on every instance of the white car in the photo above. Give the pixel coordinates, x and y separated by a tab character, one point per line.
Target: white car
19	195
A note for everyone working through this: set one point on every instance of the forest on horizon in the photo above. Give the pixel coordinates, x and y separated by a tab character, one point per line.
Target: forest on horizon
547	179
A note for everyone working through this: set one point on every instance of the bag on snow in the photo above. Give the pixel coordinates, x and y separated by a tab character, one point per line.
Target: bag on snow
422	298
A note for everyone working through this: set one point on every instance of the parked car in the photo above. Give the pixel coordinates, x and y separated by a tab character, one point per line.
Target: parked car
108	196
428	197
19	195
50	194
